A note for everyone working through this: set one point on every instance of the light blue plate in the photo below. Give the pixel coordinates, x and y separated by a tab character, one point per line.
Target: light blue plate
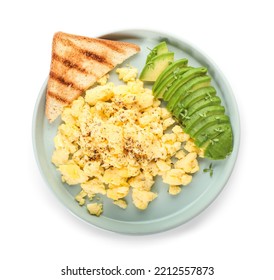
166	211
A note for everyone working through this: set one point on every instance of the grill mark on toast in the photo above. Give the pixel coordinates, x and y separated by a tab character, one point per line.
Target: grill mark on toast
96	57
121	48
87	53
69	63
104	42
111	46
57	97
63	81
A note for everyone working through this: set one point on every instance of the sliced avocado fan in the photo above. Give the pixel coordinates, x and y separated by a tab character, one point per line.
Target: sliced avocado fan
192	100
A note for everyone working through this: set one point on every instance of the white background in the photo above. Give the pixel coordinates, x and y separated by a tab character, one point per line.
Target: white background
235	234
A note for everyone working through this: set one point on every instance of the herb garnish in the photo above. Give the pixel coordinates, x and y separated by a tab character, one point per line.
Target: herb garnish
209	169
175	73
213	141
208	96
184	114
219	129
203	115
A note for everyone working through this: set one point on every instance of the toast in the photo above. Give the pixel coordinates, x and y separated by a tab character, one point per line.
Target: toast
77	62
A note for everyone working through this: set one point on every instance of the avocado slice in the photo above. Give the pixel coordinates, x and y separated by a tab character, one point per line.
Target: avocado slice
155	66
188	112
181	81
157	50
174	68
214	100
187	88
201	114
206	122
203	82
221	146
166	83
195	97
210	133
198	95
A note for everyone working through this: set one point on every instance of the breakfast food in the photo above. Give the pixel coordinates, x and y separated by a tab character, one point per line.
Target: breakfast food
116	139
95	208
157	60
77	63
193	101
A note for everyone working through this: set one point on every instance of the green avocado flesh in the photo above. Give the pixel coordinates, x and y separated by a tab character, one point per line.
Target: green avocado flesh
191	73
221	148
198	95
215	100
197	100
186	90
157	50
211	133
201	115
206	122
167	82
172	68
156	66
180	112
191	99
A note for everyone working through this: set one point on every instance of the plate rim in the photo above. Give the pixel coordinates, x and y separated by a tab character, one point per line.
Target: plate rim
175	219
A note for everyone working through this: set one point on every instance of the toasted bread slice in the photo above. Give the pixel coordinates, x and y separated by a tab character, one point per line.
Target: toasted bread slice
77	63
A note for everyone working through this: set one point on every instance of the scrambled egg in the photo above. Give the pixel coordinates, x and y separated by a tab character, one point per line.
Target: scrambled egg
115	139
95	208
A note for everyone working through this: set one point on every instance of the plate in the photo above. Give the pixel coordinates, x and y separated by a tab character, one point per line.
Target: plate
166	211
